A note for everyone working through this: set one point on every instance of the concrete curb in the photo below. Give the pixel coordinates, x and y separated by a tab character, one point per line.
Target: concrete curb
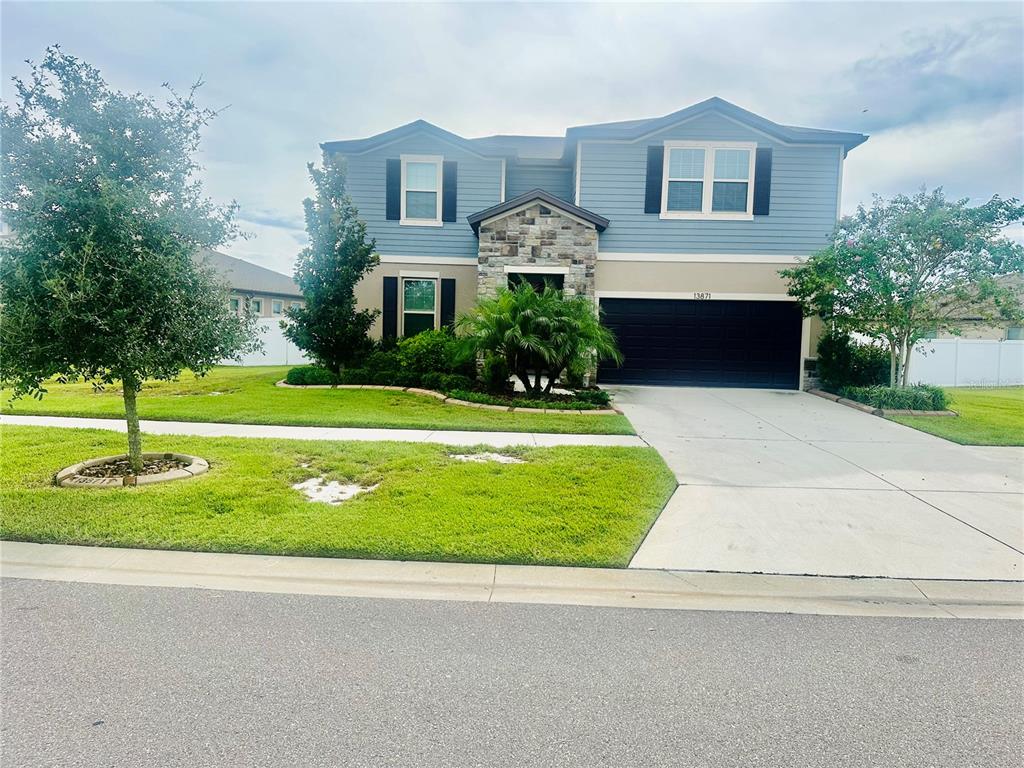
454	401
599	587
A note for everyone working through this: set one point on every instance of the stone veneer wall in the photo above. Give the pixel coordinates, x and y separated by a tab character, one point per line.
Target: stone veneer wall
537	235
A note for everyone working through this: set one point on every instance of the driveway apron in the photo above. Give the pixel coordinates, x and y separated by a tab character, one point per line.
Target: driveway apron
786	482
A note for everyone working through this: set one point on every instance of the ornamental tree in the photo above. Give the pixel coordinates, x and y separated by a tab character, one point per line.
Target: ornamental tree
98	281
329	327
914	265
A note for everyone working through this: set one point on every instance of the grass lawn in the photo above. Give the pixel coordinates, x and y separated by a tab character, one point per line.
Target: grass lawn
987	417
563	506
248	396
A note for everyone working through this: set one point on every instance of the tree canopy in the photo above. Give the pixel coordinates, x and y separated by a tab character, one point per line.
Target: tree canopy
329	327
100	280
914	265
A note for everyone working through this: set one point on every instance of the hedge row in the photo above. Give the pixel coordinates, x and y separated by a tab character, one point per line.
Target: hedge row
920	397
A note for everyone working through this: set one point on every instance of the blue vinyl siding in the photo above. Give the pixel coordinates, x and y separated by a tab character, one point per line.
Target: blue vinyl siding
479	187
556	179
805	181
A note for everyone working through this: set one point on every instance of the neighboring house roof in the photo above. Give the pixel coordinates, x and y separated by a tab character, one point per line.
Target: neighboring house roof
475	219
564	148
250	278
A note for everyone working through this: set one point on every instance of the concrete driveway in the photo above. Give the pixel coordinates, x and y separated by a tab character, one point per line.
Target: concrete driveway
786	482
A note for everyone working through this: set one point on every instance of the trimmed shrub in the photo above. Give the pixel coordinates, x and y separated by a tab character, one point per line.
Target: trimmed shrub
426	352
920	397
844	363
305	375
446	382
552	402
596	397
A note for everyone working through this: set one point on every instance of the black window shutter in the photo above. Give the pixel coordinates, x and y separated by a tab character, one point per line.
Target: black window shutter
447	302
450	185
762	180
393	193
389	317
655	167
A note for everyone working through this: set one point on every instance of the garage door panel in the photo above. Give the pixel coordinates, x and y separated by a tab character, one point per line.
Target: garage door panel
705	343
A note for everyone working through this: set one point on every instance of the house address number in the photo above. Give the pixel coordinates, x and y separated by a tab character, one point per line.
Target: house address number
702	295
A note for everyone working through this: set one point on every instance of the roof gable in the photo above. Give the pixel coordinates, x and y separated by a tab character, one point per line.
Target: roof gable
536	195
358	146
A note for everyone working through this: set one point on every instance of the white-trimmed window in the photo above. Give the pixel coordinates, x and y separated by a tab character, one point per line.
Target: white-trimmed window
295	304
235	303
256	306
276	307
419	305
708	180
421	190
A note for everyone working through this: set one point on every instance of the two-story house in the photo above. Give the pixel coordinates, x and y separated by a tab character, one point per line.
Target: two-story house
677	226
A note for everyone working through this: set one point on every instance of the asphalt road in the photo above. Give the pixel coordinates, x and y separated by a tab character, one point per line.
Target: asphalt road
131	676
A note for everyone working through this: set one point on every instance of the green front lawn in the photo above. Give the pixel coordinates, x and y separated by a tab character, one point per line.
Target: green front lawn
564	506
248	396
987	417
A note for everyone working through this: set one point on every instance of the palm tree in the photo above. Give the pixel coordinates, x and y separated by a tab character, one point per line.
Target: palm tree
538	332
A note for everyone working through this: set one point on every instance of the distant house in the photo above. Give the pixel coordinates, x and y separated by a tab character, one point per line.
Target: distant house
265	292
972	327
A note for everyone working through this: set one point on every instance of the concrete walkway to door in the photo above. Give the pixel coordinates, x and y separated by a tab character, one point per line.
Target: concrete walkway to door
786	482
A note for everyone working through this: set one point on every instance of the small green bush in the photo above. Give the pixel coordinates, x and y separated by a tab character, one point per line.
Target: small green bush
844	363
917	398
596	397
426	352
495	374
446	382
305	375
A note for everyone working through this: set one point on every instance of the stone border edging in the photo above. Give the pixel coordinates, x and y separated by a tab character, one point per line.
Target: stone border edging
872	409
479	582
68	477
453	401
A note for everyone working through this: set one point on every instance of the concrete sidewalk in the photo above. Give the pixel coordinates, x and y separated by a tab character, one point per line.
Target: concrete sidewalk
444	437
514	584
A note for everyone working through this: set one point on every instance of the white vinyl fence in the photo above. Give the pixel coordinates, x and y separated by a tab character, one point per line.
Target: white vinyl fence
277	350
968	363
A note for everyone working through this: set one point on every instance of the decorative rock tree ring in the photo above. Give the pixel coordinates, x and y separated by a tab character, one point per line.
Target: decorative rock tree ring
76	475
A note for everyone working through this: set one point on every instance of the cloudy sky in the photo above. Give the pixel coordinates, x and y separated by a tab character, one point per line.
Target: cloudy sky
937	85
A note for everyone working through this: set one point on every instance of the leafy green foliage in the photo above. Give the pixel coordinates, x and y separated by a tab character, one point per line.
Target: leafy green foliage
539	333
844	363
432	352
306	375
553	401
100	280
919	397
329	328
912	265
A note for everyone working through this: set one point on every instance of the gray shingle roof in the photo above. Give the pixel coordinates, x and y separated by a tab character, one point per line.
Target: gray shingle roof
475	219
247	277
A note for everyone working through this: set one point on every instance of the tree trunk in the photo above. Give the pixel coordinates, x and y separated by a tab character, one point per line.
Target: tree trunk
893	355
130	389
906	361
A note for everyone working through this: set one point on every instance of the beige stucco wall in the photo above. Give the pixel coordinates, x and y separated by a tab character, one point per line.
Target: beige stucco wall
370	290
689	277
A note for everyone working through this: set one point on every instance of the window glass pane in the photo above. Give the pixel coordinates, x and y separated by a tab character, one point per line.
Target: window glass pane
257	306
732	163
686	164
416	323
295	305
421	176
685	195
421	205
729	196
538	281
235	304
418	295
277	307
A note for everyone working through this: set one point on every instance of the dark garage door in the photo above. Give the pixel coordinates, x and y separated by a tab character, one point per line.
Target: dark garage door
705	343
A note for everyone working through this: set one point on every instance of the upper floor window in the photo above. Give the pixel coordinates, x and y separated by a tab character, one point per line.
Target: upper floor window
256	306
708	180
276	307
421	190
295	304
236	304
